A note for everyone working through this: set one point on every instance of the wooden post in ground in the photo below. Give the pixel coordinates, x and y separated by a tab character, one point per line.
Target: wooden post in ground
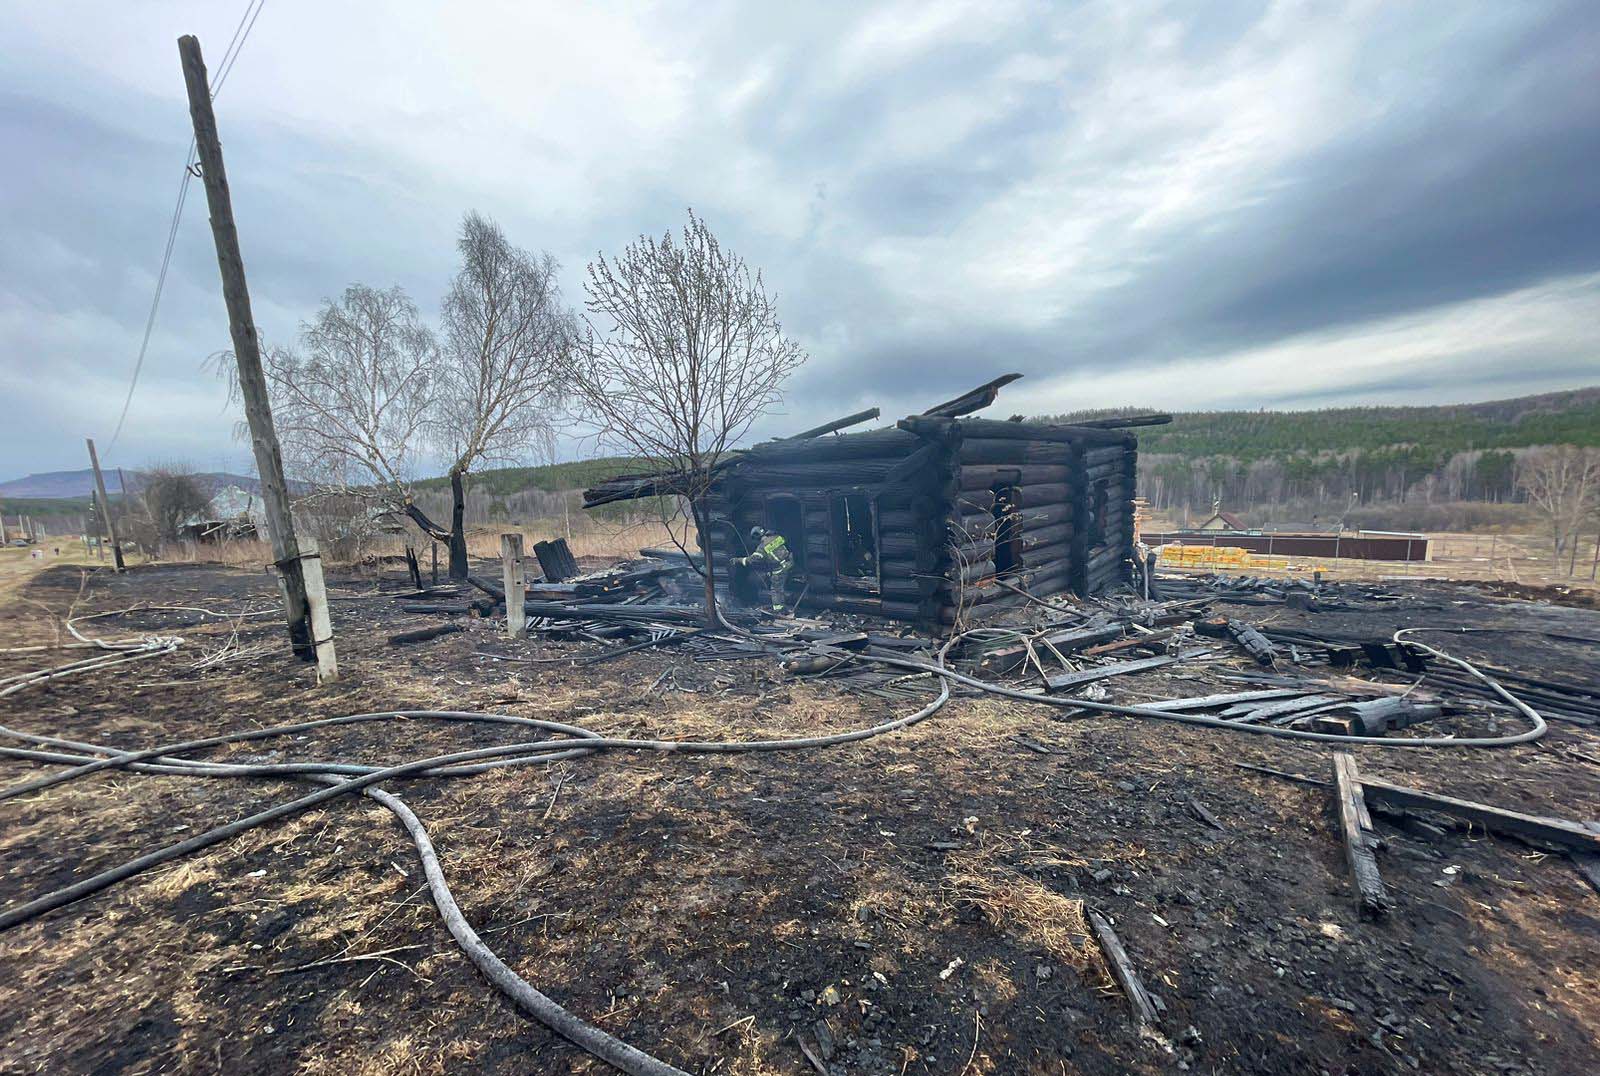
105	507
516	585
321	621
247	351
433	548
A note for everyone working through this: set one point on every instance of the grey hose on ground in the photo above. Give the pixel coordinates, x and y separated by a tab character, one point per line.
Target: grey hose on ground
592	1039
585	1035
581	741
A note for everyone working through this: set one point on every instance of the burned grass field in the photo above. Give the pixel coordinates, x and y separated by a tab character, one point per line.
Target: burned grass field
918	902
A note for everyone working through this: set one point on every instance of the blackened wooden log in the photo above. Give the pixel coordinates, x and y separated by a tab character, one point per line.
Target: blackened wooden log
967	569
1039	537
832	427
888	444
910	589
556	560
901	610
1040	496
491	589
1050	555
422	634
984	477
983	428
989	451
975	400
1125	421
983	543
1026	580
933	458
441	608
860	606
830	474
975	520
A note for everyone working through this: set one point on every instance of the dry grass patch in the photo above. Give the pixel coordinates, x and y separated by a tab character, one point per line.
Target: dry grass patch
1025	908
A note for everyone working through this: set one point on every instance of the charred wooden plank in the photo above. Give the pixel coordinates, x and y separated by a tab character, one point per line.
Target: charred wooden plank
1535	828
1207	702
1355	824
1139	1000
422	634
1064	681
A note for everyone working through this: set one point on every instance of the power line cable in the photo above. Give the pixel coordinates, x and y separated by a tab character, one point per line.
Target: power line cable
230	56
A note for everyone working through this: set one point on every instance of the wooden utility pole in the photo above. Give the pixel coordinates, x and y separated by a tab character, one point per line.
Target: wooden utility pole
247	350
105	507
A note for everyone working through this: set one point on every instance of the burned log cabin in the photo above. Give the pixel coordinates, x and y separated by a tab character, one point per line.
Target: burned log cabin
940	517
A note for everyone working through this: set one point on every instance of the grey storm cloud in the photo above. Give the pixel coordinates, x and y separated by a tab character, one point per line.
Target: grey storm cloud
1250	204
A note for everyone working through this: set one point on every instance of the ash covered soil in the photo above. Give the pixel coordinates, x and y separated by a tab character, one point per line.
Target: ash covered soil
910	904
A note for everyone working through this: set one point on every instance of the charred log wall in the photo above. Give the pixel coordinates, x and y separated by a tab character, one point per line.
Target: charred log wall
1074	489
932	483
910	485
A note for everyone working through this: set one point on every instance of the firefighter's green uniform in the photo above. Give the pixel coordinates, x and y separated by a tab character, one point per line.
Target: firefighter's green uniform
773	560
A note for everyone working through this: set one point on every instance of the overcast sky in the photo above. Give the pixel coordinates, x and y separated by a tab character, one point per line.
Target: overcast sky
1175	205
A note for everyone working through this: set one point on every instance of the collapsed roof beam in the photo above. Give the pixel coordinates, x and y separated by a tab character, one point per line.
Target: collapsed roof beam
1121	422
976	400
831	427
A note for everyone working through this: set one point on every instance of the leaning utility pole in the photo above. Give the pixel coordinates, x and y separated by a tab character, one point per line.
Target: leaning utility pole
105	507
247	350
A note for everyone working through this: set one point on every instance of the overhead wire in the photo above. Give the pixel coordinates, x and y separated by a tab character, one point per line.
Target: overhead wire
230	57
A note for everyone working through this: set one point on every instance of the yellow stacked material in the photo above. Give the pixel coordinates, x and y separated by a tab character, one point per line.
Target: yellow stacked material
1219	556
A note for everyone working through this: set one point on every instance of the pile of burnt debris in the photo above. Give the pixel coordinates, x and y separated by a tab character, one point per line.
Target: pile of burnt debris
1158	642
1267	674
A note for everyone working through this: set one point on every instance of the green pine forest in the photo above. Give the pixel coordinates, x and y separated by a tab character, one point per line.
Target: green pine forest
1330	461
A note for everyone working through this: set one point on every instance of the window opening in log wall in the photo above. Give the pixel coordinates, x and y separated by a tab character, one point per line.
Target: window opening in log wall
855	538
1007	530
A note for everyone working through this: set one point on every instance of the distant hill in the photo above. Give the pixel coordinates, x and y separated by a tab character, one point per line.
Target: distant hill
1325	461
1555	418
71	485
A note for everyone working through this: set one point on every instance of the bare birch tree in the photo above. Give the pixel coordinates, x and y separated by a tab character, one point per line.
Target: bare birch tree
1563	484
682	352
352	403
507	342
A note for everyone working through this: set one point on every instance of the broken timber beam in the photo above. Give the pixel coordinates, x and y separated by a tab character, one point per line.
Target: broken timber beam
1139	1000
422	634
1574	836
1360	839
831	427
1063	681
1588	863
1122	422
1206	702
975	400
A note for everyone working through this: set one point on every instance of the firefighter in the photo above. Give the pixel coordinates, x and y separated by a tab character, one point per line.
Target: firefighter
771	558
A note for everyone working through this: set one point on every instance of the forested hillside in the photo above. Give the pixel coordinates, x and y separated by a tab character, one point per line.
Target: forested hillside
1321	461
